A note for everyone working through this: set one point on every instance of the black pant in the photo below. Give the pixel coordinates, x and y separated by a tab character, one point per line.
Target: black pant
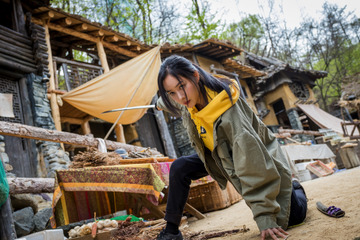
187	168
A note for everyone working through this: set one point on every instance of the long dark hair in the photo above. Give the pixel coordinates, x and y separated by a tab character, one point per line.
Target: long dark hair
177	67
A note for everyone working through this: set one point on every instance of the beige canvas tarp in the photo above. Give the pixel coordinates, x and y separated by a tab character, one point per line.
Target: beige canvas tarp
133	83
323	119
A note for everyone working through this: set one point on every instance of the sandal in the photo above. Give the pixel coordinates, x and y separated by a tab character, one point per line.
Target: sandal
331	211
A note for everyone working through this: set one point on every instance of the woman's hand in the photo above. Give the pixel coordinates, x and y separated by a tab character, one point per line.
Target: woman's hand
274	233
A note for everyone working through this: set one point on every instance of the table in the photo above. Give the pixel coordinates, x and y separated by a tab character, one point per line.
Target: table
81	192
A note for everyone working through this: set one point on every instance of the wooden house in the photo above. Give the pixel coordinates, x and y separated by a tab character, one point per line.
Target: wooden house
277	93
23	71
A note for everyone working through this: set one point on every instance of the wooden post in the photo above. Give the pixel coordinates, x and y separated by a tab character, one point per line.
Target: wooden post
53	102
7	227
85	126
164	132
102	56
119	131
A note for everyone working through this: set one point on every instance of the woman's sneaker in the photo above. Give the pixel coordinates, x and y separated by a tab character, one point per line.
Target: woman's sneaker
163	235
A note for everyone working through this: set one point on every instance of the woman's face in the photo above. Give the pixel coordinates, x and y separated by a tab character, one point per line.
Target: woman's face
183	92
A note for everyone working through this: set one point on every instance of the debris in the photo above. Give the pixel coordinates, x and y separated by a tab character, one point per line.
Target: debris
207	235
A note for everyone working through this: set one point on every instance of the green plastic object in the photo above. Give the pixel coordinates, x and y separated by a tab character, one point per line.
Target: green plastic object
4	186
122	218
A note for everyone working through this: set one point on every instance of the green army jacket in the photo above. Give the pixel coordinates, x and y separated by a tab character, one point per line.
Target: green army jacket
247	154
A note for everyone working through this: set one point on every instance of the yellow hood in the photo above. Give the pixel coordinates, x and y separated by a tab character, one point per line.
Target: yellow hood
218	104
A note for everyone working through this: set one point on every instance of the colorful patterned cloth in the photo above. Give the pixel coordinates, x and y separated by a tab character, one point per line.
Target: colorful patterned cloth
101	189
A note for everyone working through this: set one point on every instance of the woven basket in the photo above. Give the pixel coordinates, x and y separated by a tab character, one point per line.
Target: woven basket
234	196
207	197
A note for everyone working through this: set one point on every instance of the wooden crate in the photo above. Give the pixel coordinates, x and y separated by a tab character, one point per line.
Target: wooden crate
206	197
319	169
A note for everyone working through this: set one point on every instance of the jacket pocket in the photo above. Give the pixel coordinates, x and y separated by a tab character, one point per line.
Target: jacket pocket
225	154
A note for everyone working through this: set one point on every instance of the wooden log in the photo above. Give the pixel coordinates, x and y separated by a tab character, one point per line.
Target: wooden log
15	43
14	35
295	131
16	65
13	59
119	131
25	131
53	100
46	15
31	185
113	38
64	22
102	56
37	27
81	27
16	52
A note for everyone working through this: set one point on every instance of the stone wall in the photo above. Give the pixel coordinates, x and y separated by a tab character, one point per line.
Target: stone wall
51	155
180	138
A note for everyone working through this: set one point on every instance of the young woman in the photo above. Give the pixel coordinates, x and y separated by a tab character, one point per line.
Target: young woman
232	144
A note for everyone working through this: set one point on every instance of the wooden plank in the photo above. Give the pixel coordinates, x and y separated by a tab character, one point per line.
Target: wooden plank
25	131
87	37
295	131
194	211
85	65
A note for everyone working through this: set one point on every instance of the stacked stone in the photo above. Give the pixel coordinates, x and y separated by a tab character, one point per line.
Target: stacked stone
180	138
55	157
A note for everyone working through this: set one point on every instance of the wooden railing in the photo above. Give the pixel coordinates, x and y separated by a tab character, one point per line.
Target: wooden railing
74	73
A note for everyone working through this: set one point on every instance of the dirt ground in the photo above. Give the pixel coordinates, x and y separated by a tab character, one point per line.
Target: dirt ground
341	189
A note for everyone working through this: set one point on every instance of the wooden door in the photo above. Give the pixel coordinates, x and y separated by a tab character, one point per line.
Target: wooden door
21	151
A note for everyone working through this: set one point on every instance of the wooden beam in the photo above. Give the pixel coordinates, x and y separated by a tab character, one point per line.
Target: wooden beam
64	21
81	27
31	185
111	38
25	131
53	97
97	33
124	43
119	131
102	56
88	37
295	131
46	15
77	121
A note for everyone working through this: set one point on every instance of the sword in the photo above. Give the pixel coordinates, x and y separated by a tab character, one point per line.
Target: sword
129	108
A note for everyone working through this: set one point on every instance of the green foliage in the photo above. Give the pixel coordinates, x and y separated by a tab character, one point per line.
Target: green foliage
200	24
247	33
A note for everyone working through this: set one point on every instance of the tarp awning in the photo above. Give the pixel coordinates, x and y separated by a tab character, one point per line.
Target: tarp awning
133	83
323	119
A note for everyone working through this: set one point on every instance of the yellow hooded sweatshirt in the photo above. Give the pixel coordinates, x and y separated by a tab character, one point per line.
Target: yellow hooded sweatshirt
205	118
